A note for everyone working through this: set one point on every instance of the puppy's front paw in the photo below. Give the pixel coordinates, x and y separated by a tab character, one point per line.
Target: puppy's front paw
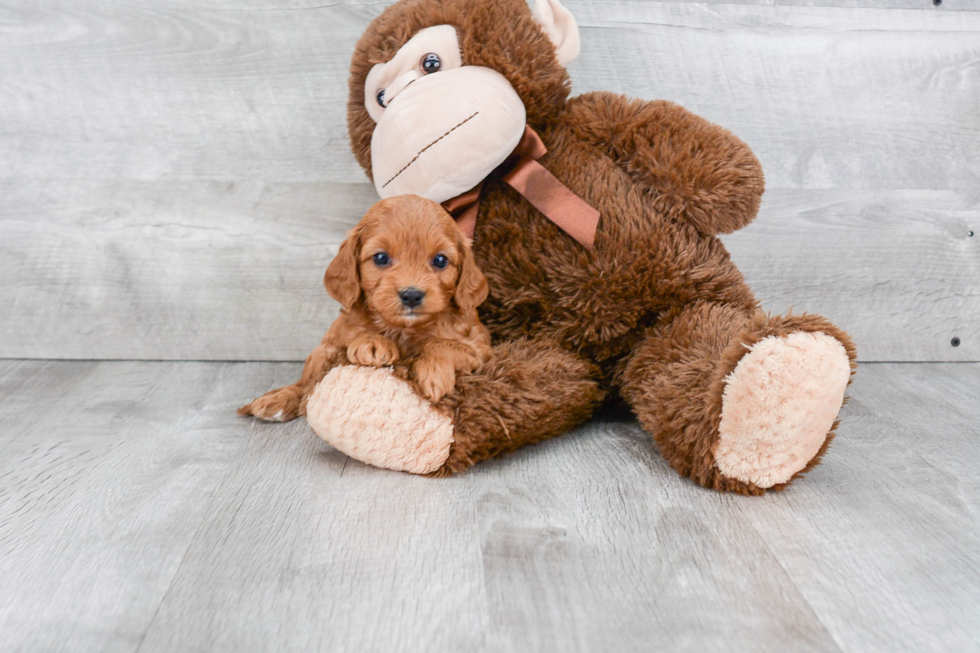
373	350
279	405
435	377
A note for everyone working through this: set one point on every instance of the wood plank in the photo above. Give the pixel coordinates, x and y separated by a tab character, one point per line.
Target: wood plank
826	97
594	543
170	270
217	270
922	5
176	176
156	65
584	544
897	269
883	540
106	472
103	89
140	513
308	552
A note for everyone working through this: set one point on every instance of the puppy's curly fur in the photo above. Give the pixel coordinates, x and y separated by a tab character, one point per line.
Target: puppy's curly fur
409	288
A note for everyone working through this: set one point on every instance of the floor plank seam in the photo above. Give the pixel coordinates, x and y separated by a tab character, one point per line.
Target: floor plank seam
792	581
197	532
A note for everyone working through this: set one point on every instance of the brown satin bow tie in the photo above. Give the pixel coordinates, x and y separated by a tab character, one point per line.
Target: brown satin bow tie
532	180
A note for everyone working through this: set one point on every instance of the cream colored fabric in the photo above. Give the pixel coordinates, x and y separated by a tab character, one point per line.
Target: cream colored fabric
439	134
443	134
392	76
560	26
377	419
779	403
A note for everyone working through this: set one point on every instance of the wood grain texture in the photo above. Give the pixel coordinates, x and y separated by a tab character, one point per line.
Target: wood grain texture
827	97
100	498
899	270
174	176
225	271
170	270
138	513
102	89
907	456
922	5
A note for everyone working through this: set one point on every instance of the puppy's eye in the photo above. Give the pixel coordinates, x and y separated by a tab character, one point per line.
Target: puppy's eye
380	97
440	262
381	259
431	63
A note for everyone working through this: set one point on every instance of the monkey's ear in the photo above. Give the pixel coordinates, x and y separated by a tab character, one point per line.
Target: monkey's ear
343	279
560	26
471	287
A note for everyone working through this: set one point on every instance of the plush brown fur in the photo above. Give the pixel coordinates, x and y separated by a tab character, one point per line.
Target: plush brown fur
434	340
657	313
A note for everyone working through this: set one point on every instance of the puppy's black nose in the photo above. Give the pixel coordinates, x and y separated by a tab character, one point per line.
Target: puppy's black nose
411	297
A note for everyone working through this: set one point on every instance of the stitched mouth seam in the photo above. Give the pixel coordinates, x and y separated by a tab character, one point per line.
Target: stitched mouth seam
428	146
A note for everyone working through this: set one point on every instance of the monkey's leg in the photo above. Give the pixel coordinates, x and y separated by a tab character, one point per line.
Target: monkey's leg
529	391
739	401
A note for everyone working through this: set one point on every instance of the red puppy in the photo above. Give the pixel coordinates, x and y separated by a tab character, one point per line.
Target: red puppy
409	288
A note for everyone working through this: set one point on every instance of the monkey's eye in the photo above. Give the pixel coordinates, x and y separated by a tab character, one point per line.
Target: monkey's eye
380	97
440	262
431	63
381	259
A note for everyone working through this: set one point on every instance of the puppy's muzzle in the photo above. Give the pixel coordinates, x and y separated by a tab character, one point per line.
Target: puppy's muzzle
411	297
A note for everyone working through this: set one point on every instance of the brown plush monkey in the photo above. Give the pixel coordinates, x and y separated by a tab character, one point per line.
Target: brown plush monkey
646	306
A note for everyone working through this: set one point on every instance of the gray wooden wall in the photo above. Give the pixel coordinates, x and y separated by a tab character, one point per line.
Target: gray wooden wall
174	175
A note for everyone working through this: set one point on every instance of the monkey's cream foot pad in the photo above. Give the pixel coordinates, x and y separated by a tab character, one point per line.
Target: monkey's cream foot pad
372	416
779	404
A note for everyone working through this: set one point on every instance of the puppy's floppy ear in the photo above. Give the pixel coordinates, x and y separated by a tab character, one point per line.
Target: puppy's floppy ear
343	278
471	287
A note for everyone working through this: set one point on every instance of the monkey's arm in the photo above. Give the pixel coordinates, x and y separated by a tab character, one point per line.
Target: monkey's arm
694	169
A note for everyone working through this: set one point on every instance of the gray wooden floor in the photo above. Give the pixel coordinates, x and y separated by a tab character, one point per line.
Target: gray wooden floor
138	513
174	178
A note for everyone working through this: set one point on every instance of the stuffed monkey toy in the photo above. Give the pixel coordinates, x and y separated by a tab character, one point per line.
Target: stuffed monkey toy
595	220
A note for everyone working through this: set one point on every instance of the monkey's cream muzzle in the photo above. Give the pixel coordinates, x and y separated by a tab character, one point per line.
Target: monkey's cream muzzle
442	134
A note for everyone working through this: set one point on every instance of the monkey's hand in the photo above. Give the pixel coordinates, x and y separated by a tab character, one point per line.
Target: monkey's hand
697	170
